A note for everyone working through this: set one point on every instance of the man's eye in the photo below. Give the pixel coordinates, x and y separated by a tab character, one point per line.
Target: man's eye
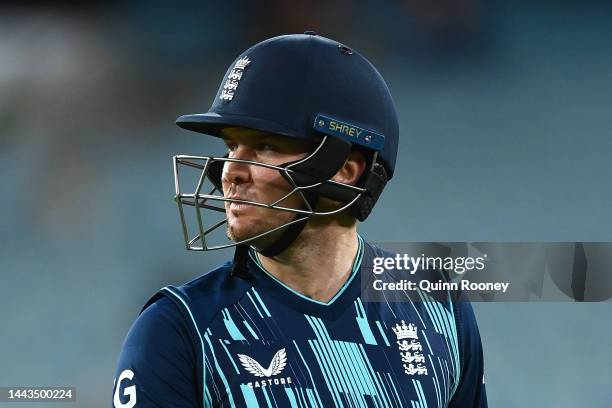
266	147
230	147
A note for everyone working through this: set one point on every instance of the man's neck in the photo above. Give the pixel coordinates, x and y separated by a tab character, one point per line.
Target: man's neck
318	263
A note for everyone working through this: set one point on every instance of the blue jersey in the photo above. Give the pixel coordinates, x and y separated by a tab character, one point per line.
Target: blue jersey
224	341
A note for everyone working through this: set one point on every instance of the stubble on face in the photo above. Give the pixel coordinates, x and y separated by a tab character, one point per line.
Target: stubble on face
251	221
259	184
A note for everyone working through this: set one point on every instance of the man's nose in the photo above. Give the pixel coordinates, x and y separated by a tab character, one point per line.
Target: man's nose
236	172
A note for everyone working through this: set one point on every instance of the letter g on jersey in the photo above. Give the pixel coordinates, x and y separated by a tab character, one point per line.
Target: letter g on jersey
129	392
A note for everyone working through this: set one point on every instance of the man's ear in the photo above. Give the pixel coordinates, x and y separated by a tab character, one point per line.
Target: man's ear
353	168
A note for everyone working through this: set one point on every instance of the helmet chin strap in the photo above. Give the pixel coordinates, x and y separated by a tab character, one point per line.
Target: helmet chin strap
241	256
287	237
289	234
284	241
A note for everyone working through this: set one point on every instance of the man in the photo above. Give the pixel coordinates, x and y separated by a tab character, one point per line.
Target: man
311	134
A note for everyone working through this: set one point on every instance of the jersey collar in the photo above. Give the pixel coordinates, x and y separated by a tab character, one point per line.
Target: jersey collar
282	293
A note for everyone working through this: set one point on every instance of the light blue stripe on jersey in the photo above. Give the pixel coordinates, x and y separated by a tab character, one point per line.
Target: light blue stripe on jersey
249	396
229	356
254	304
395	389
444	323
230	325
458	373
366	331
248	326
306	404
309	372
382	333
364	378
420	394
352	369
301	398
384	387
444	374
220	372
372	374
263	305
291	397
436	382
364	325
265	393
326	371
342	365
311	398
335	374
427	341
206	397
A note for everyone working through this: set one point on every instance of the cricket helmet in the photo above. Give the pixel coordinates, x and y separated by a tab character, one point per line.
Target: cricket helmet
301	86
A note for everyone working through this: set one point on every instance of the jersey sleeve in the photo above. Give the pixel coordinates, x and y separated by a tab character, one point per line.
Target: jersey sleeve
157	364
471	391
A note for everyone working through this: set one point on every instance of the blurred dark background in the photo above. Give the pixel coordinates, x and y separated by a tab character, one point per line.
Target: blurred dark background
505	119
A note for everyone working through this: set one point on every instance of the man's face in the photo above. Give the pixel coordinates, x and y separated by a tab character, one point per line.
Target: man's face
257	183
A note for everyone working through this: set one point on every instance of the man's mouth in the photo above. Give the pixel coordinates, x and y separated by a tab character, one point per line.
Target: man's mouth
236	207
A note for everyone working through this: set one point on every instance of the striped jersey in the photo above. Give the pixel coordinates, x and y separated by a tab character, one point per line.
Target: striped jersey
224	341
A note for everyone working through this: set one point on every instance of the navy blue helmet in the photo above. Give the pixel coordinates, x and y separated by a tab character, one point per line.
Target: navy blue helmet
282	84
309	87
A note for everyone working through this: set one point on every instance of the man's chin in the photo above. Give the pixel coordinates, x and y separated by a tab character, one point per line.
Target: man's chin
242	234
238	234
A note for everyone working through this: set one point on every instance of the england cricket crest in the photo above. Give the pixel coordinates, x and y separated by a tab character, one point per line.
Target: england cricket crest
410	349
233	79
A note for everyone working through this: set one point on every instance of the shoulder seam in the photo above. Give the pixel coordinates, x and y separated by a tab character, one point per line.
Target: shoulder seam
175	293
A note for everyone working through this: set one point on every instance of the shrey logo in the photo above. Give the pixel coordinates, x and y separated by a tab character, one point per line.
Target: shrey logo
231	84
278	363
